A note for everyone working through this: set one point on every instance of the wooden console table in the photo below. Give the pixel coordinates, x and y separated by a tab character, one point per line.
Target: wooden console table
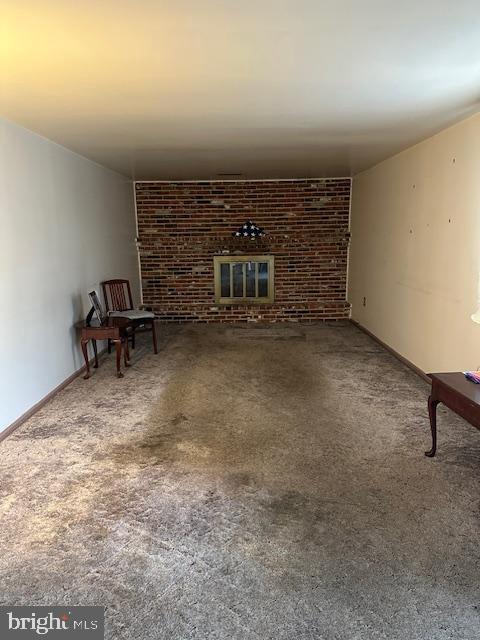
114	329
458	394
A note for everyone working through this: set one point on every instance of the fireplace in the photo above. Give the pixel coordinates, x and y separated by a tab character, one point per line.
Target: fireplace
244	279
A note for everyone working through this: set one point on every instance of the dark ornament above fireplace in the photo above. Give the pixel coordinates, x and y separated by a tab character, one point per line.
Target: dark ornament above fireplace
249	230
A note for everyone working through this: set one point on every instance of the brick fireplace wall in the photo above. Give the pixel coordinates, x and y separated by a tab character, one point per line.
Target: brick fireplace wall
182	225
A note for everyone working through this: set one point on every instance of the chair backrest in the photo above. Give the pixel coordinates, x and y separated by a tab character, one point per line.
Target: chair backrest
117	294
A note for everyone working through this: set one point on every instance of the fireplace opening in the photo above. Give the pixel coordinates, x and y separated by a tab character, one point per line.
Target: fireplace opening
244	279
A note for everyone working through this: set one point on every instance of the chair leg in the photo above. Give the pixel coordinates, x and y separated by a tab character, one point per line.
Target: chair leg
94	343
154	335
109	346
126	353
133	338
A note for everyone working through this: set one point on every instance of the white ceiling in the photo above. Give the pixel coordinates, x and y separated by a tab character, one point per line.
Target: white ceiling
173	89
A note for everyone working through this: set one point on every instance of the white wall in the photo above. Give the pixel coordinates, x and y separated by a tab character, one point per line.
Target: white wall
415	250
66	225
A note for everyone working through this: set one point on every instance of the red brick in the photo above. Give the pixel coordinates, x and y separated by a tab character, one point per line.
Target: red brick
182	226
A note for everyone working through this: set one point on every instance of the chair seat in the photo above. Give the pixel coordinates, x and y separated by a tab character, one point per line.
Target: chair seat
133	314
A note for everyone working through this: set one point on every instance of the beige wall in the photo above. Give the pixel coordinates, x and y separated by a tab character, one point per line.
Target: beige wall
66	225
415	250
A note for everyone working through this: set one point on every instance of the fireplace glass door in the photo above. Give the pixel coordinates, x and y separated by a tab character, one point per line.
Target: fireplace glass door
244	279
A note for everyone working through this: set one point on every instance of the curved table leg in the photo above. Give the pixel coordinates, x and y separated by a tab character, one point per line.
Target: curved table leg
432	412
85	355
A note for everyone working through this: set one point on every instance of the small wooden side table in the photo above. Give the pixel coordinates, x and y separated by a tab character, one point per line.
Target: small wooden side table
458	394
116	330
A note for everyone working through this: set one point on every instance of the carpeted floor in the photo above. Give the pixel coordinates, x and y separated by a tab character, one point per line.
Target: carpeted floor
247	482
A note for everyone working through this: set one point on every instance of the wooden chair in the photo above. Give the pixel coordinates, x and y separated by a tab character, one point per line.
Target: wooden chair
119	302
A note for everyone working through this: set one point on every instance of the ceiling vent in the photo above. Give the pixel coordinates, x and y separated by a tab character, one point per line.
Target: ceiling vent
229	175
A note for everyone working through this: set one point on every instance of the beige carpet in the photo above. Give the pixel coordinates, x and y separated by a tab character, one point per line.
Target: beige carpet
247	482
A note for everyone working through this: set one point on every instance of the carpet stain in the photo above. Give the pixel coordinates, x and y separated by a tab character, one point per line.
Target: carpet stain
247	482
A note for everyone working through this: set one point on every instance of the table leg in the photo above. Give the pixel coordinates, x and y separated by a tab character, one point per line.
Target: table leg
85	355
432	412
118	351
94	342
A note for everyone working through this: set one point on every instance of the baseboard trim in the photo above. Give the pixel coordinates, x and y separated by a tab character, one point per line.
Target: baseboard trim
402	359
41	403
